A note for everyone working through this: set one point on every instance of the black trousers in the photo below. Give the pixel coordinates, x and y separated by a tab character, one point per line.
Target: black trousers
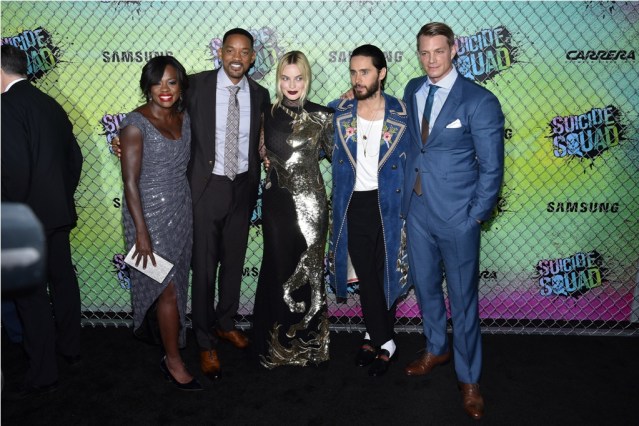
38	335
367	252
44	333
220	236
64	292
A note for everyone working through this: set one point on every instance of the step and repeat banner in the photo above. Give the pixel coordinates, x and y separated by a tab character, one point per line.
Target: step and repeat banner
562	251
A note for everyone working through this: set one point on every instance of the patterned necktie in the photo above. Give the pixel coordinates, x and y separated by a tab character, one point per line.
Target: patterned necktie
231	147
427	110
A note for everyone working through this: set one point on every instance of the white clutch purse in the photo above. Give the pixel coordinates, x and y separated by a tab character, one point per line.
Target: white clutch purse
158	273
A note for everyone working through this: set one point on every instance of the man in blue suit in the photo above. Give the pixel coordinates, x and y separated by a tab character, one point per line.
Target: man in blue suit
454	172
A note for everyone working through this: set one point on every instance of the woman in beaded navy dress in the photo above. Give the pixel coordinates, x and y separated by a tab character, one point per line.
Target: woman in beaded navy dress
290	320
155	140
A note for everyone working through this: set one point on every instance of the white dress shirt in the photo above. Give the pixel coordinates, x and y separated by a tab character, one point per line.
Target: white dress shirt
6	89
367	153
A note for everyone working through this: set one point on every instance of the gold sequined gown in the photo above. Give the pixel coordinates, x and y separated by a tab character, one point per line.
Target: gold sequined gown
290	323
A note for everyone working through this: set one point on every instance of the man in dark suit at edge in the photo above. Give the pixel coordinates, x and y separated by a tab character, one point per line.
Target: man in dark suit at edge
41	167
224	190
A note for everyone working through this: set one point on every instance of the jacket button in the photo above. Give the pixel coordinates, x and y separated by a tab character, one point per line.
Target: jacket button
416	169
394	166
210	161
398	190
423	150
341	161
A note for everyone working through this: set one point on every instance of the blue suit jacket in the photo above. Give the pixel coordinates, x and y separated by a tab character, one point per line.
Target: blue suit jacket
461	164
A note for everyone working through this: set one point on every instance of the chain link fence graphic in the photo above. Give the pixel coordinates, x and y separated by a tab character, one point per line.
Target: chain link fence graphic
561	254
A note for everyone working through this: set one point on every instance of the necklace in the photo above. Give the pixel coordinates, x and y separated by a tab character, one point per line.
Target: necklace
366	133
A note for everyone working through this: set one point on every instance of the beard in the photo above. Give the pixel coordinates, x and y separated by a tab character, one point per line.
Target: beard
370	91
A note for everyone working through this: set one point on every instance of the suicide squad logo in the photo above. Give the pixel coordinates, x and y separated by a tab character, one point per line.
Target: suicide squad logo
587	135
129	4
256	214
488	275
502	206
571	276
216	44
42	54
613	9
122	271
110	124
267	52
483	55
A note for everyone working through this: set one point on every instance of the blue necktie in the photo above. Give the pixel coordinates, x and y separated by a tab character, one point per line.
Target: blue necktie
427	110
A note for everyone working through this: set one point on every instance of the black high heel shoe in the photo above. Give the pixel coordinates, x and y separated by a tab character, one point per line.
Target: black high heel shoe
193	385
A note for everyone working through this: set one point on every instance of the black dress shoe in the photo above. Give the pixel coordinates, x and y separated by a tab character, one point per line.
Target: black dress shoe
30	392
72	360
193	385
366	354
380	364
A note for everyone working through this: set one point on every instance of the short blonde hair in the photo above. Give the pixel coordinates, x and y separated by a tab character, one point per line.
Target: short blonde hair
294	57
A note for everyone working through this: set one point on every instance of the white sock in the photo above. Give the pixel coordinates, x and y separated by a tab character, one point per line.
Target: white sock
367	336
390	347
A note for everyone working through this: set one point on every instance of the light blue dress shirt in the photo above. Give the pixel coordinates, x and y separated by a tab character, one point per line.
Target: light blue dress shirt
445	84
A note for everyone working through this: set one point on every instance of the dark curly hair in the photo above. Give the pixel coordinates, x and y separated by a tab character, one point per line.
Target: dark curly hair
154	70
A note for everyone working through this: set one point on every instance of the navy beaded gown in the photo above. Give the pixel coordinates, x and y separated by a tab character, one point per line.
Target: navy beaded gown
166	203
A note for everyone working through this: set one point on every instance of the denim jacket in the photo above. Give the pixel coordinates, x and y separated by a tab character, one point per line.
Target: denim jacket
390	175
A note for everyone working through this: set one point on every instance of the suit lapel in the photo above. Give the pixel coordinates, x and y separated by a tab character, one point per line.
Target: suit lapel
346	129
414	110
392	131
207	113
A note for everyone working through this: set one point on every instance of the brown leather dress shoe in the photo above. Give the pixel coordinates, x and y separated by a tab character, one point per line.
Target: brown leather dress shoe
236	337
210	364
425	364
472	400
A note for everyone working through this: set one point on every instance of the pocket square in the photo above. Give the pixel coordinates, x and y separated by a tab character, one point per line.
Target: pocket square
454	125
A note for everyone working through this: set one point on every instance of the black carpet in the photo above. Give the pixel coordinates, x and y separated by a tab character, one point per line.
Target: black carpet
527	380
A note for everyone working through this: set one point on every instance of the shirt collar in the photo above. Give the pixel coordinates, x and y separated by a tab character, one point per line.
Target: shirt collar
448	81
225	81
12	83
